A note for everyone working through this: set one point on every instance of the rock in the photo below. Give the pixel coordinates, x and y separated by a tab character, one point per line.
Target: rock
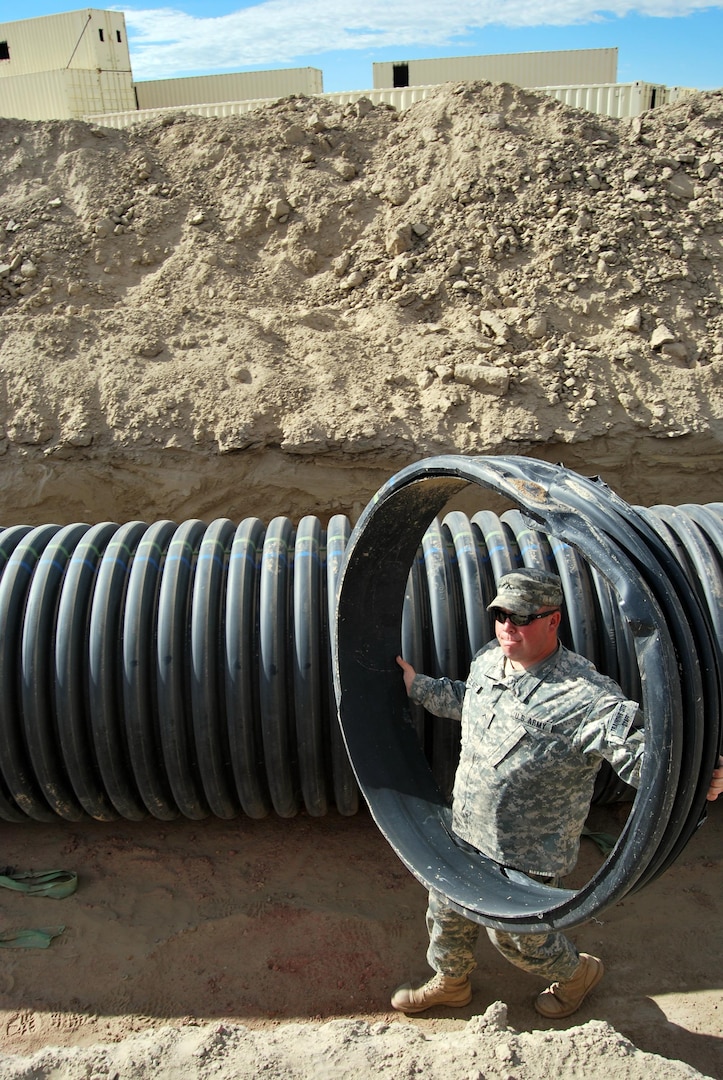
279	209
363	106
340	265
493	325
294	135
681	186
677	350
536	327
494	121
661	336
352	281
485	377
632	320
104	227
345	169
397	194
399	240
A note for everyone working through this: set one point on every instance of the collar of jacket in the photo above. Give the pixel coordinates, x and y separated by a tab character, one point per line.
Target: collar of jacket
526	682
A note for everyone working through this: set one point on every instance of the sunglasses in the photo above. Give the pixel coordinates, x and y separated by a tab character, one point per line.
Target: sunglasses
519	620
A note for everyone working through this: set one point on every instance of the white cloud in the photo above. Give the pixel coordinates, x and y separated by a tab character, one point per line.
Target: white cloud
165	42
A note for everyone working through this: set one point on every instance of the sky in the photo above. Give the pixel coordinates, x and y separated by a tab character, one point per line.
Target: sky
673	42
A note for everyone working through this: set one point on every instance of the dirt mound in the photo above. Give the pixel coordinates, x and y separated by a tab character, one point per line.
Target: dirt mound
295	302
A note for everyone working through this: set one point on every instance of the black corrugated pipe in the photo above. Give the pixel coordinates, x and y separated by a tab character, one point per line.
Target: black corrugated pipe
186	669
643	592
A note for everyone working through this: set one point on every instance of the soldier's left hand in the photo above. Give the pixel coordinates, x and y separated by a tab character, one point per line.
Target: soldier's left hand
716	783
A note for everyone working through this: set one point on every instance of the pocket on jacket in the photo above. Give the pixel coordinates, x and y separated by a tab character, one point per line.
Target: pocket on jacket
496	753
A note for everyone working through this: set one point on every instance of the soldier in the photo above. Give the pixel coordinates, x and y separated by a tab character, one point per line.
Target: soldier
537	722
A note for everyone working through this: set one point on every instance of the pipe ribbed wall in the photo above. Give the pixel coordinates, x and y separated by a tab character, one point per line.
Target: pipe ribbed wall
185	669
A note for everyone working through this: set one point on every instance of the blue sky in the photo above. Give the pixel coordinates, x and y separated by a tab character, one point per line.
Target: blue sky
674	42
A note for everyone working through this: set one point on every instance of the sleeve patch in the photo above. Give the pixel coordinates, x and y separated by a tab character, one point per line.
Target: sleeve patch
622	720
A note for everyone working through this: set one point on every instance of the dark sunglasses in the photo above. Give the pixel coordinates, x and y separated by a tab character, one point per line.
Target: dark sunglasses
519	620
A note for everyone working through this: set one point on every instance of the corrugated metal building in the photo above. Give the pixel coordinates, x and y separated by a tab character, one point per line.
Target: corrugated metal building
564	67
64	66
235	86
85	39
69	94
616	99
610	99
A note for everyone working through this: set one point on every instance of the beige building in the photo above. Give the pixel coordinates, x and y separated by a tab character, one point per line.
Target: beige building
65	66
566	67
235	86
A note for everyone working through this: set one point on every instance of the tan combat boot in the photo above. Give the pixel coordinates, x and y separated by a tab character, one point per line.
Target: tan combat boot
440	990
564	998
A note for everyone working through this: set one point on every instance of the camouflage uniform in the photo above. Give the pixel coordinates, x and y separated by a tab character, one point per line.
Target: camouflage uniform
532	744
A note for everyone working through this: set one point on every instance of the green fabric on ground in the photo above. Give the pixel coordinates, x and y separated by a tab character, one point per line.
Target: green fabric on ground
54	883
29	939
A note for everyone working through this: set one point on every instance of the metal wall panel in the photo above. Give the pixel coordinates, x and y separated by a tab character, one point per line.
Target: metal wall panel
400	99
138	116
65	95
609	99
111	90
234	86
39	96
566	66
678	93
87	39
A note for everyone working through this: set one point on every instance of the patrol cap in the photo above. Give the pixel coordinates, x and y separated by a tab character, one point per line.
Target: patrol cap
523	592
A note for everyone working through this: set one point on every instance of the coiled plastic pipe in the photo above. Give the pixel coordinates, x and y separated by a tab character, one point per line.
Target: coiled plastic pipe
186	669
643	600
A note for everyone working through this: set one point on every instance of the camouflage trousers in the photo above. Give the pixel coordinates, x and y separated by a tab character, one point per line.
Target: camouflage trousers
452	941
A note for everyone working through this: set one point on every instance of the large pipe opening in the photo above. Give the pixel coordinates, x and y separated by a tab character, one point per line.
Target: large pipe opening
629	590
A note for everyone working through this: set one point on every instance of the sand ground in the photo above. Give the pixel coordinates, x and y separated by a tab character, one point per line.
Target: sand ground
276	922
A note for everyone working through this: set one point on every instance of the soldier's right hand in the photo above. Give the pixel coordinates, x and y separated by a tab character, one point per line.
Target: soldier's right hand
408	673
